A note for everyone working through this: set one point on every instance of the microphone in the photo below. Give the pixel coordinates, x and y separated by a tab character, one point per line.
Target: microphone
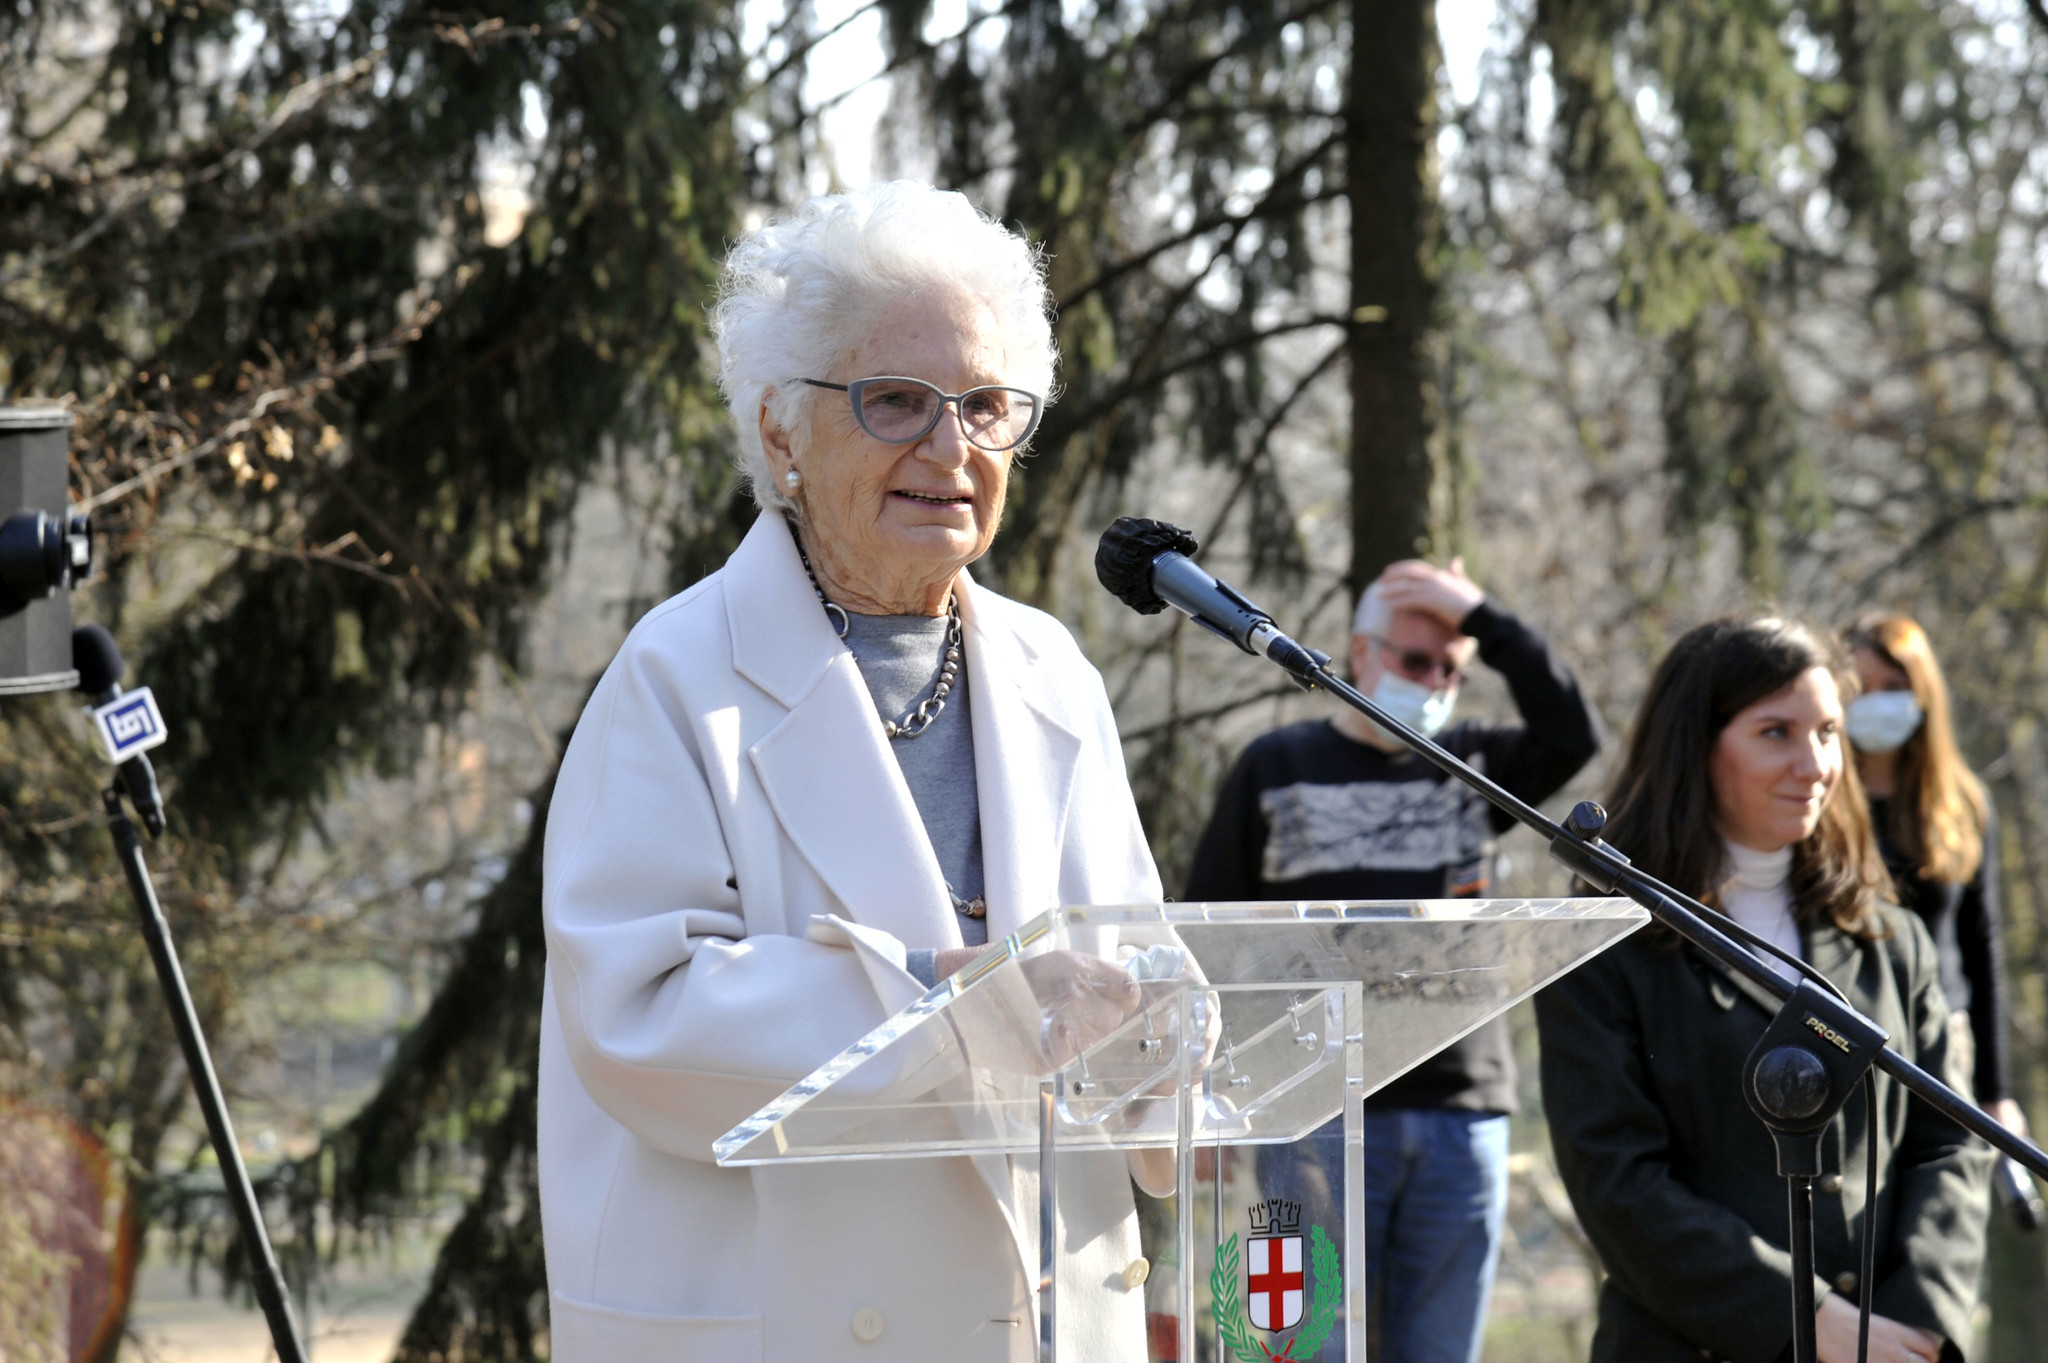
1146	565
124	728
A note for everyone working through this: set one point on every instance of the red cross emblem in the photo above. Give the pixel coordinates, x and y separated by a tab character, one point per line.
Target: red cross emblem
1273	1282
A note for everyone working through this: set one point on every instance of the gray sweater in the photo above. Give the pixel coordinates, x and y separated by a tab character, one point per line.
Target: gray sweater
899	657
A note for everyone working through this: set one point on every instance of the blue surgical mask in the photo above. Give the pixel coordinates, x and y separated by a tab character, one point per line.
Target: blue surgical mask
1882	721
1415	705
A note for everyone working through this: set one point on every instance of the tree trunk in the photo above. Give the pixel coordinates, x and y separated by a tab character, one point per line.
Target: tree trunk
1390	159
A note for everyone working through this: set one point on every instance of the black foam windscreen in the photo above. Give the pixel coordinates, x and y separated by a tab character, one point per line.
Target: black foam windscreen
1123	560
97	659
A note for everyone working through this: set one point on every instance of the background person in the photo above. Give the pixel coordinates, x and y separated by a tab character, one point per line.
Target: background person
1338	809
1736	789
832	760
1938	832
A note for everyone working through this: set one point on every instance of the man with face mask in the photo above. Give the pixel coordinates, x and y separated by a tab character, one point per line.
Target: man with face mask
1338	809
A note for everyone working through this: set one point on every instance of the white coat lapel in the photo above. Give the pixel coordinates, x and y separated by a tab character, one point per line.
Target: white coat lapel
1023	777
842	801
826	768
1024	761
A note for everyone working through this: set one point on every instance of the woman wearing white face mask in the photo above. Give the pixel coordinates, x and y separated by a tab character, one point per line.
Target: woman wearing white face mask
1939	836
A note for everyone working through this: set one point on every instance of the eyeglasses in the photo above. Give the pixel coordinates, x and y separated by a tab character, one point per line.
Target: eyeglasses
896	410
1418	666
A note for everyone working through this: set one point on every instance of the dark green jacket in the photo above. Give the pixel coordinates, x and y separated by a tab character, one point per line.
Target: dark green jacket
1675	1180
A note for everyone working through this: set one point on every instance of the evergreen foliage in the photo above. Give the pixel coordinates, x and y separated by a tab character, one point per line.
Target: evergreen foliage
339	389
1172	159
339	393
1739	159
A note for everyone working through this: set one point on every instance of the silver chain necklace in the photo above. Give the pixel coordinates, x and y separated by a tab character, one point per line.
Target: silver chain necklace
920	719
931	707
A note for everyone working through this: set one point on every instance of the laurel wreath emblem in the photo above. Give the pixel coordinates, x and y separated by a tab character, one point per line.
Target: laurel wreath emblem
1236	1331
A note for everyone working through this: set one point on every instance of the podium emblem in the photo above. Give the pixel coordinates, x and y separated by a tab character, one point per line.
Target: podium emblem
1286	1277
1273	1279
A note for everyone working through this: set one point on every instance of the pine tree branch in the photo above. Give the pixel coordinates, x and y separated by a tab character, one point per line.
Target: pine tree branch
796	55
1146	733
1932	537
1197	74
243	417
95	91
1123	391
1985	313
1262	444
896	61
1268	207
196	166
329	554
35	261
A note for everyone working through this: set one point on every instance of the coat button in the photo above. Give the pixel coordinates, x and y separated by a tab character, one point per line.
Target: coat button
1831	1183
867	1325
1135	1275
1845	1283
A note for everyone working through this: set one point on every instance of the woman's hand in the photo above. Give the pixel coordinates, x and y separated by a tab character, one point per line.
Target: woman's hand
2008	1114
951	961
1084	999
1890	1341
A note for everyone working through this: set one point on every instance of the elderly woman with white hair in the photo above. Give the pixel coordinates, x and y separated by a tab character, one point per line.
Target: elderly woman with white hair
806	789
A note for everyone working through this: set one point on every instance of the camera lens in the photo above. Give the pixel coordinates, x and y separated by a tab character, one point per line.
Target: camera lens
35	556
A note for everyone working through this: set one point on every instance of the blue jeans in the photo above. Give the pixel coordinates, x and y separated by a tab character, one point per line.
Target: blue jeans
1436	1196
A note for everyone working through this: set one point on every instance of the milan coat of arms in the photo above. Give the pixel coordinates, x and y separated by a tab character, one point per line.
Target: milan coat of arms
1277	1288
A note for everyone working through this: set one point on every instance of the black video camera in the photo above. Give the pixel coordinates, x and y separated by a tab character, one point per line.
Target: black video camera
45	551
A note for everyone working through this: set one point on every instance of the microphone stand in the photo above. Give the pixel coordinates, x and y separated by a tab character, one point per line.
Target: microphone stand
265	1277
1808	1060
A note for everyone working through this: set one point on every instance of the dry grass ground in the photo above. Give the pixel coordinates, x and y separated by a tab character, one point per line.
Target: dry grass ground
358	1318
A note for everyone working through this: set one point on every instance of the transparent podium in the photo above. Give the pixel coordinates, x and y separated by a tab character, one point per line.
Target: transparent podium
1223	1053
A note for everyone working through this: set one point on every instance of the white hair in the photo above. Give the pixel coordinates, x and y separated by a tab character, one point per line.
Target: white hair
1374	617
791	291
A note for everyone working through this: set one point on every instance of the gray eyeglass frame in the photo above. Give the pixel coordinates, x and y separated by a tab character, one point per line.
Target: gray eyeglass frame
853	395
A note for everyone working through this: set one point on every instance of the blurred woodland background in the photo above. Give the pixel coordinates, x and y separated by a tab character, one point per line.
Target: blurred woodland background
383	321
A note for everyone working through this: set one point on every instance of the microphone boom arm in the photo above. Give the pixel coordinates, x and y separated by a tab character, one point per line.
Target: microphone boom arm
1146	565
1579	848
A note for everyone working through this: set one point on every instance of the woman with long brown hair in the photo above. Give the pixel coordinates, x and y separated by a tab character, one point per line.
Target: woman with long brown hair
1737	789
1938	833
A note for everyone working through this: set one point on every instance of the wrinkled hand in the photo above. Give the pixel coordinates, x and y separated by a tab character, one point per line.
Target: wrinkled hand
1154	1168
1083	998
1890	1341
1446	593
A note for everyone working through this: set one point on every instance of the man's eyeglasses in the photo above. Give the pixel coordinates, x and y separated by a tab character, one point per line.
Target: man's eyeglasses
1418	666
897	410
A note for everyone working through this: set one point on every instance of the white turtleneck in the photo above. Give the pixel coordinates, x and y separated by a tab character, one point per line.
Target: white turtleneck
1758	895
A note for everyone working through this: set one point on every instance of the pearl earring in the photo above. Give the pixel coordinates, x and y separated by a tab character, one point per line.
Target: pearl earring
792	480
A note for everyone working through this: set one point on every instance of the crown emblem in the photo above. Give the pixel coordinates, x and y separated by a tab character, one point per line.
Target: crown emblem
1276	1216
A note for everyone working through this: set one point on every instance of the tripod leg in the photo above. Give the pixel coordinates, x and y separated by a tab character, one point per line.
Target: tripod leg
264	1274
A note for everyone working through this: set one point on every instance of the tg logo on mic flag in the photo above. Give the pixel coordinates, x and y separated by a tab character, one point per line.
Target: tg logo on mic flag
128	724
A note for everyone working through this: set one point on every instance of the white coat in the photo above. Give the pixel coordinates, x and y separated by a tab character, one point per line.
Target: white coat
734	870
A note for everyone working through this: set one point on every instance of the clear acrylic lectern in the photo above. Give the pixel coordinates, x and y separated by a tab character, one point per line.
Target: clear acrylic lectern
1250	1030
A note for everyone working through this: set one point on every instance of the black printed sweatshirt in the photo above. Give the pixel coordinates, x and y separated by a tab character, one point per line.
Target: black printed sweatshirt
1307	813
